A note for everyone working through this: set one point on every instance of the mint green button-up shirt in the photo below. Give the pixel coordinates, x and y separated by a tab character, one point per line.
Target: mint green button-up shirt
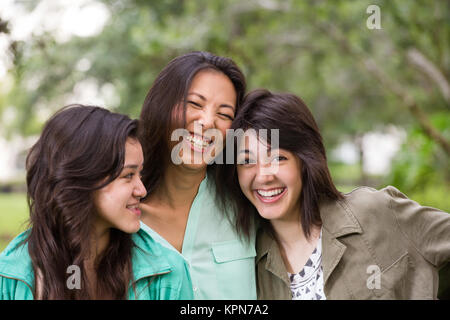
222	266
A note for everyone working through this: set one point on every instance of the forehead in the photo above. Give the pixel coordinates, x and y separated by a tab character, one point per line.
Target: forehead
212	84
133	152
252	142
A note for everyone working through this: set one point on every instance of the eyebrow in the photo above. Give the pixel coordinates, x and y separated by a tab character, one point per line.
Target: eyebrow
224	105
198	95
227	106
131	166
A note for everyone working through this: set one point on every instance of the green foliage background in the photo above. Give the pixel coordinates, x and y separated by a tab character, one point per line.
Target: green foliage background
355	80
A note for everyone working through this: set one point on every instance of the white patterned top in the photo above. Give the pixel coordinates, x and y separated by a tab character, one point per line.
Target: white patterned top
308	283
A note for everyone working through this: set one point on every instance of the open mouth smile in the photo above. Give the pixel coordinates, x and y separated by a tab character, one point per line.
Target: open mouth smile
270	195
198	143
135	209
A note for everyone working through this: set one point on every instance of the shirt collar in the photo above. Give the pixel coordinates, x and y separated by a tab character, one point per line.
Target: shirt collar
148	259
337	221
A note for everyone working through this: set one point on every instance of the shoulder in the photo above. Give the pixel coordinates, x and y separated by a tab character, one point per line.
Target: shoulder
16	256
151	257
365	202
369	197
386	200
361	209
13	289
16	270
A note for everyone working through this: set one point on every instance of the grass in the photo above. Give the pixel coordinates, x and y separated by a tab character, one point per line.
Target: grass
13	216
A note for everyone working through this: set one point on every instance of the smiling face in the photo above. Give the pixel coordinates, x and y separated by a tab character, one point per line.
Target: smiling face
118	202
210	109
272	184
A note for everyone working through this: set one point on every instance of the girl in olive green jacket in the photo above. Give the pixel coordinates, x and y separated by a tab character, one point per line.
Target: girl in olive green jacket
84	189
314	242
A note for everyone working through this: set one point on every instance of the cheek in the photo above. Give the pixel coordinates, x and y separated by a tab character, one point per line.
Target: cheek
244	180
223	126
106	204
294	182
102	200
112	199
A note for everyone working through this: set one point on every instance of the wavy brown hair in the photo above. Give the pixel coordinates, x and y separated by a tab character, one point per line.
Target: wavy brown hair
81	149
299	134
167	93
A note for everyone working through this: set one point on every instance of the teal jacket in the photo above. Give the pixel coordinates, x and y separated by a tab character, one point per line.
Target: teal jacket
158	272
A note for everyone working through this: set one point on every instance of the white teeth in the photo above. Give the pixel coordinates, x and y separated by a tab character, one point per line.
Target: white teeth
270	193
197	141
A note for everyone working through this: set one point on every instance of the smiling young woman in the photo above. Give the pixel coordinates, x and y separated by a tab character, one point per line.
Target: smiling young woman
210	109
84	189
314	242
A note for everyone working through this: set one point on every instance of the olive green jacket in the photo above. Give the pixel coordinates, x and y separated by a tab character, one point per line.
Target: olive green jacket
375	245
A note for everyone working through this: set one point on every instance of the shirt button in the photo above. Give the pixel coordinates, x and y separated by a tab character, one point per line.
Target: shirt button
195	289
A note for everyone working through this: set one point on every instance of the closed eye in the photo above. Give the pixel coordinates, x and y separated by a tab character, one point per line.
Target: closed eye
226	116
195	104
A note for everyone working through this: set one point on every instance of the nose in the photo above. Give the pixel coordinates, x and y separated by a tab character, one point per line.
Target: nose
139	190
264	173
207	119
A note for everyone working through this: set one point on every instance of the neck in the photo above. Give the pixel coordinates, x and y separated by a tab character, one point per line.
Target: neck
180	185
289	232
99	242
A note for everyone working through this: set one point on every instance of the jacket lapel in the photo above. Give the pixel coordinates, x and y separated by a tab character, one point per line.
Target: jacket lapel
275	263
266	245
332	252
337	221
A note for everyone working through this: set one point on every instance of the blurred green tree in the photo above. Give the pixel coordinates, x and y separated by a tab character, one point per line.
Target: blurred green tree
354	79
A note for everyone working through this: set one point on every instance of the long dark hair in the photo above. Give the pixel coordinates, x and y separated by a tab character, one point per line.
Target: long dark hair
299	134
169	92
81	149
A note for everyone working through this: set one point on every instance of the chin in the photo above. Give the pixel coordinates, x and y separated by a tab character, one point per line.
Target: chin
266	214
195	166
131	228
270	213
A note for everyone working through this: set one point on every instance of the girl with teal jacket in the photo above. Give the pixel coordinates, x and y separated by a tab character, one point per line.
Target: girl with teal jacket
84	240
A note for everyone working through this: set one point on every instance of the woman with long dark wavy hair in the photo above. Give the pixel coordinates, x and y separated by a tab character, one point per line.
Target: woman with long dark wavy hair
315	242
196	94
84	188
